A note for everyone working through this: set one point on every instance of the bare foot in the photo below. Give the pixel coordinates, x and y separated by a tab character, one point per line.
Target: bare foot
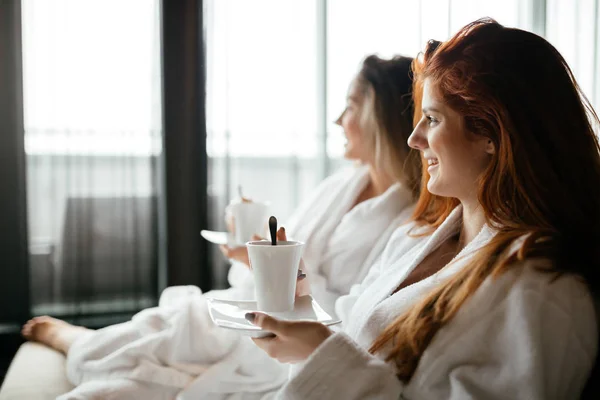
52	332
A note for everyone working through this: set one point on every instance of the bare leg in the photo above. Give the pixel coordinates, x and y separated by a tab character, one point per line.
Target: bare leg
52	332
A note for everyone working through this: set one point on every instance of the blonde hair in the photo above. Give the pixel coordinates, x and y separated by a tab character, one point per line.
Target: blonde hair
388	114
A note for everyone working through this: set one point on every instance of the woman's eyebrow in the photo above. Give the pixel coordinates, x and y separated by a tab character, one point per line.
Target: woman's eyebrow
430	109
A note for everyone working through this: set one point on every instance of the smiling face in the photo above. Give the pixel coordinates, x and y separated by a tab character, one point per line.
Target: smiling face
358	141
456	158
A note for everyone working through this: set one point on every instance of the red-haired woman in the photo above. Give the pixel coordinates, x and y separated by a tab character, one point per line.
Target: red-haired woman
495	298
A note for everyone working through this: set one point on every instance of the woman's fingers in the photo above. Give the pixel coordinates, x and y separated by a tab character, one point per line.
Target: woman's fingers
225	250
230	222
302	287
268	344
293	341
281	234
239	254
267	322
302	284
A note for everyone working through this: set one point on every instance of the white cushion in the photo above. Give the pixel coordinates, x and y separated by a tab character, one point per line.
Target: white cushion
36	373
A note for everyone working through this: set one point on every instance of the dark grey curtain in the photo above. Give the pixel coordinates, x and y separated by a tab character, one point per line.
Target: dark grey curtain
14	285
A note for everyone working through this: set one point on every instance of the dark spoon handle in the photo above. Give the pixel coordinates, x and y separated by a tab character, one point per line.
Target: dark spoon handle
273	230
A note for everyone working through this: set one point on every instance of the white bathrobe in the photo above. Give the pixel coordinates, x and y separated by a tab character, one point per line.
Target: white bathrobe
174	350
520	336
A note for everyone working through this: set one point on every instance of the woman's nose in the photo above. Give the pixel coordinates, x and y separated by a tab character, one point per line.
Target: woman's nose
417	139
338	121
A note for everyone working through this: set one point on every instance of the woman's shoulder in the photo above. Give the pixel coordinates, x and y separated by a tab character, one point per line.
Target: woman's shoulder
528	299
540	275
524	323
333	183
533	290
565	292
346	172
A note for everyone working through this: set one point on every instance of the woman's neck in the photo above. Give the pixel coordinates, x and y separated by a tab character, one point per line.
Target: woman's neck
473	219
379	182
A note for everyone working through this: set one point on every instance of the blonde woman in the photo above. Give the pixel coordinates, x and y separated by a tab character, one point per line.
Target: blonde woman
175	349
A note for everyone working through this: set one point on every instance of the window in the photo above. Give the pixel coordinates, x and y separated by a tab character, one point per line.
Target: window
92	136
390	27
261	97
572	28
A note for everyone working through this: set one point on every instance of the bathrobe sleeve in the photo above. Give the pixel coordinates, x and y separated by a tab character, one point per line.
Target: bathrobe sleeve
341	369
536	342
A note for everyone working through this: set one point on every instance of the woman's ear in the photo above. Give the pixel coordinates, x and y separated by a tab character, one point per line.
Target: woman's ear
490	147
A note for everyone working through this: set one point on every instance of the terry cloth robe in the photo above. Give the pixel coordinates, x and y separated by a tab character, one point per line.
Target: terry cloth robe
175	350
521	335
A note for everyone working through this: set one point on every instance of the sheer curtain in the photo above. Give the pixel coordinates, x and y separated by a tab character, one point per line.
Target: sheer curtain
261	96
573	28
390	27
93	135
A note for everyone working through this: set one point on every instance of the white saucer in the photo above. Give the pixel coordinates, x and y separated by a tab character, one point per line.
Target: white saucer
215	237
230	314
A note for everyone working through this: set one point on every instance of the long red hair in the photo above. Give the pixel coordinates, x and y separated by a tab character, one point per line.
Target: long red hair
514	88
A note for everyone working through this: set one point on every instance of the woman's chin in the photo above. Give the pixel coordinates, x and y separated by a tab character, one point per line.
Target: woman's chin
433	188
352	155
348	155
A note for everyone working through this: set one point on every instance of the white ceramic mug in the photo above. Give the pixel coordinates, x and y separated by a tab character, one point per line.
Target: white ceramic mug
249	218
275	270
